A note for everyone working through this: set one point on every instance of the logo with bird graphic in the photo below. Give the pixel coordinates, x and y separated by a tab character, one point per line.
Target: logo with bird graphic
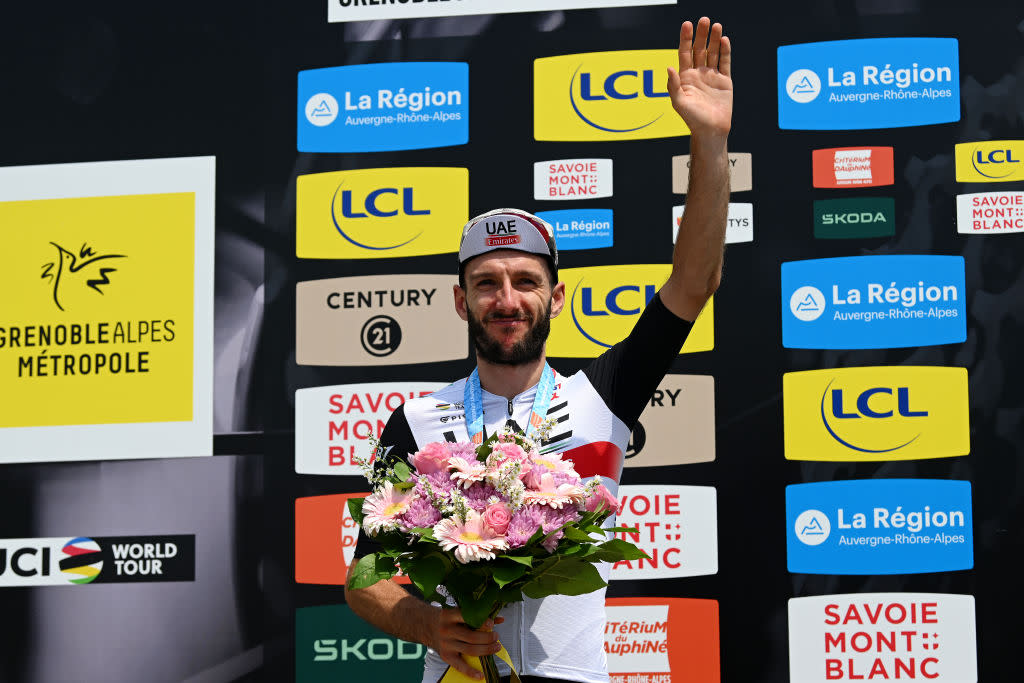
87	268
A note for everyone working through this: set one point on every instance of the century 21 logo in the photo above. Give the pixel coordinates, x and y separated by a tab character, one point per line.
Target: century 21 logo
380	212
602	305
877	413
990	162
604	96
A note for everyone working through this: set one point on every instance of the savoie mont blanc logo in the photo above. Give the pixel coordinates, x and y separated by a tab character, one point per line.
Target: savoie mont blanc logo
603	304
598	96
383	107
990	213
868	83
873	302
879	526
380	212
876	413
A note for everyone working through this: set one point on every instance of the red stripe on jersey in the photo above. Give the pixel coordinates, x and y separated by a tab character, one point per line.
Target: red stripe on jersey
601	457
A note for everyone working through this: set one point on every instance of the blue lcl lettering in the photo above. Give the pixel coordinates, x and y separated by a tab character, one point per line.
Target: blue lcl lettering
864	409
611	300
993	157
371	208
612	90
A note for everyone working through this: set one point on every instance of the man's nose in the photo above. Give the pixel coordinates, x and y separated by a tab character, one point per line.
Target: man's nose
505	294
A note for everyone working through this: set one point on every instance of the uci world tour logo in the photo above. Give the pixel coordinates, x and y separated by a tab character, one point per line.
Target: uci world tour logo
876	413
83	560
87	268
868	83
604	96
604	302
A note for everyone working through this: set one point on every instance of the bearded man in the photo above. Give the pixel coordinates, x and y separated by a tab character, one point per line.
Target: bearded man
507	293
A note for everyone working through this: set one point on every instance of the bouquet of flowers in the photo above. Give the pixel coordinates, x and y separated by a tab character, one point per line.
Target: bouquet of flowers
487	524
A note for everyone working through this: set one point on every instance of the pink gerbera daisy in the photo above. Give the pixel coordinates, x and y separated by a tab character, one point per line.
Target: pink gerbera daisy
466	472
548	493
471	540
382	508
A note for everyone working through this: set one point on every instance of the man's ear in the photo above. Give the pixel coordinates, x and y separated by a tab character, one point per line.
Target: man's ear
557	299
460	301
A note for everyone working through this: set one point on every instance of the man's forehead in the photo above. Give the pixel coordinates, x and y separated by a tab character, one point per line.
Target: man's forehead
505	260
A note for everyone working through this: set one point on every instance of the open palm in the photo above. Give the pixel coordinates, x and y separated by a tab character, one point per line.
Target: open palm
701	90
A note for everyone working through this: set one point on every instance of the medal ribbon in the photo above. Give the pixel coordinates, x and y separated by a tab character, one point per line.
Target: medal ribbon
472	400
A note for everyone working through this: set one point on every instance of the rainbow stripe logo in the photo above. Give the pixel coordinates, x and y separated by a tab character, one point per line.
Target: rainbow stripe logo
83	560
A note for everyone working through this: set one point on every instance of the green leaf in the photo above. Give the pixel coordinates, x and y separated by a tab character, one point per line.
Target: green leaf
426	572
616	550
574	534
528	561
506	573
566	576
355	508
476	606
402	471
405	485
368	572
425	533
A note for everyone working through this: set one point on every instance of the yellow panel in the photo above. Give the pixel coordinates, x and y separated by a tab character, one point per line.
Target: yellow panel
991	161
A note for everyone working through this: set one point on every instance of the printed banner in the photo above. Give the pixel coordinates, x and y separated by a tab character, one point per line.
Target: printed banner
853	167
601	96
880	413
333	644
378	320
604	303
873	302
854	218
380	212
741	172
333	424
990	213
96	559
107	313
677	528
581	228
869	83
662	640
739	226
325	539
572	179
360	10
990	161
678	425
883	636
879	526
383	107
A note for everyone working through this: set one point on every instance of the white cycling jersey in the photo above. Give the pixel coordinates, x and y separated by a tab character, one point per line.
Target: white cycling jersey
596	408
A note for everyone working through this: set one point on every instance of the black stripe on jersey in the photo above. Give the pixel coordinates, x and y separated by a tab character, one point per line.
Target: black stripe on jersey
555	409
450	437
559	437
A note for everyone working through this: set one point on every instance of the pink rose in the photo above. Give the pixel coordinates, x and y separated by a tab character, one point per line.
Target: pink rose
497	516
602	498
431	458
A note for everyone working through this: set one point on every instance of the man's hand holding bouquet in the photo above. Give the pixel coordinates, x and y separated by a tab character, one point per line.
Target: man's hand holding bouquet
486	524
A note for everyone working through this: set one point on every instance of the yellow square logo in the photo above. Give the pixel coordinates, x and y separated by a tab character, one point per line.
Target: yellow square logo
601	96
380	212
603	304
990	161
101	328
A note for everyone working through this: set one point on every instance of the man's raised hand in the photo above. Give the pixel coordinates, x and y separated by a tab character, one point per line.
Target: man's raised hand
701	90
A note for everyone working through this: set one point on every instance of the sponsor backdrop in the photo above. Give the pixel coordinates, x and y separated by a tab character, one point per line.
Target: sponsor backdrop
233	234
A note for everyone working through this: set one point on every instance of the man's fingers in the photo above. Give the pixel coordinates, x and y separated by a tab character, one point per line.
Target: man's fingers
685	46
700	43
714	45
725	57
461	665
673	80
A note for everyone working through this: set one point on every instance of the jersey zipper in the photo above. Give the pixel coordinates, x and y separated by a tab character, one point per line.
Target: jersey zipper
510	409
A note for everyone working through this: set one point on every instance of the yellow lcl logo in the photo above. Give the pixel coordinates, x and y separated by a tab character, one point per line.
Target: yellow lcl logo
595	96
992	161
877	413
603	304
380	212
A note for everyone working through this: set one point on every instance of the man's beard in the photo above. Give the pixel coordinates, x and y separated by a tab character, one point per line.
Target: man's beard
527	349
